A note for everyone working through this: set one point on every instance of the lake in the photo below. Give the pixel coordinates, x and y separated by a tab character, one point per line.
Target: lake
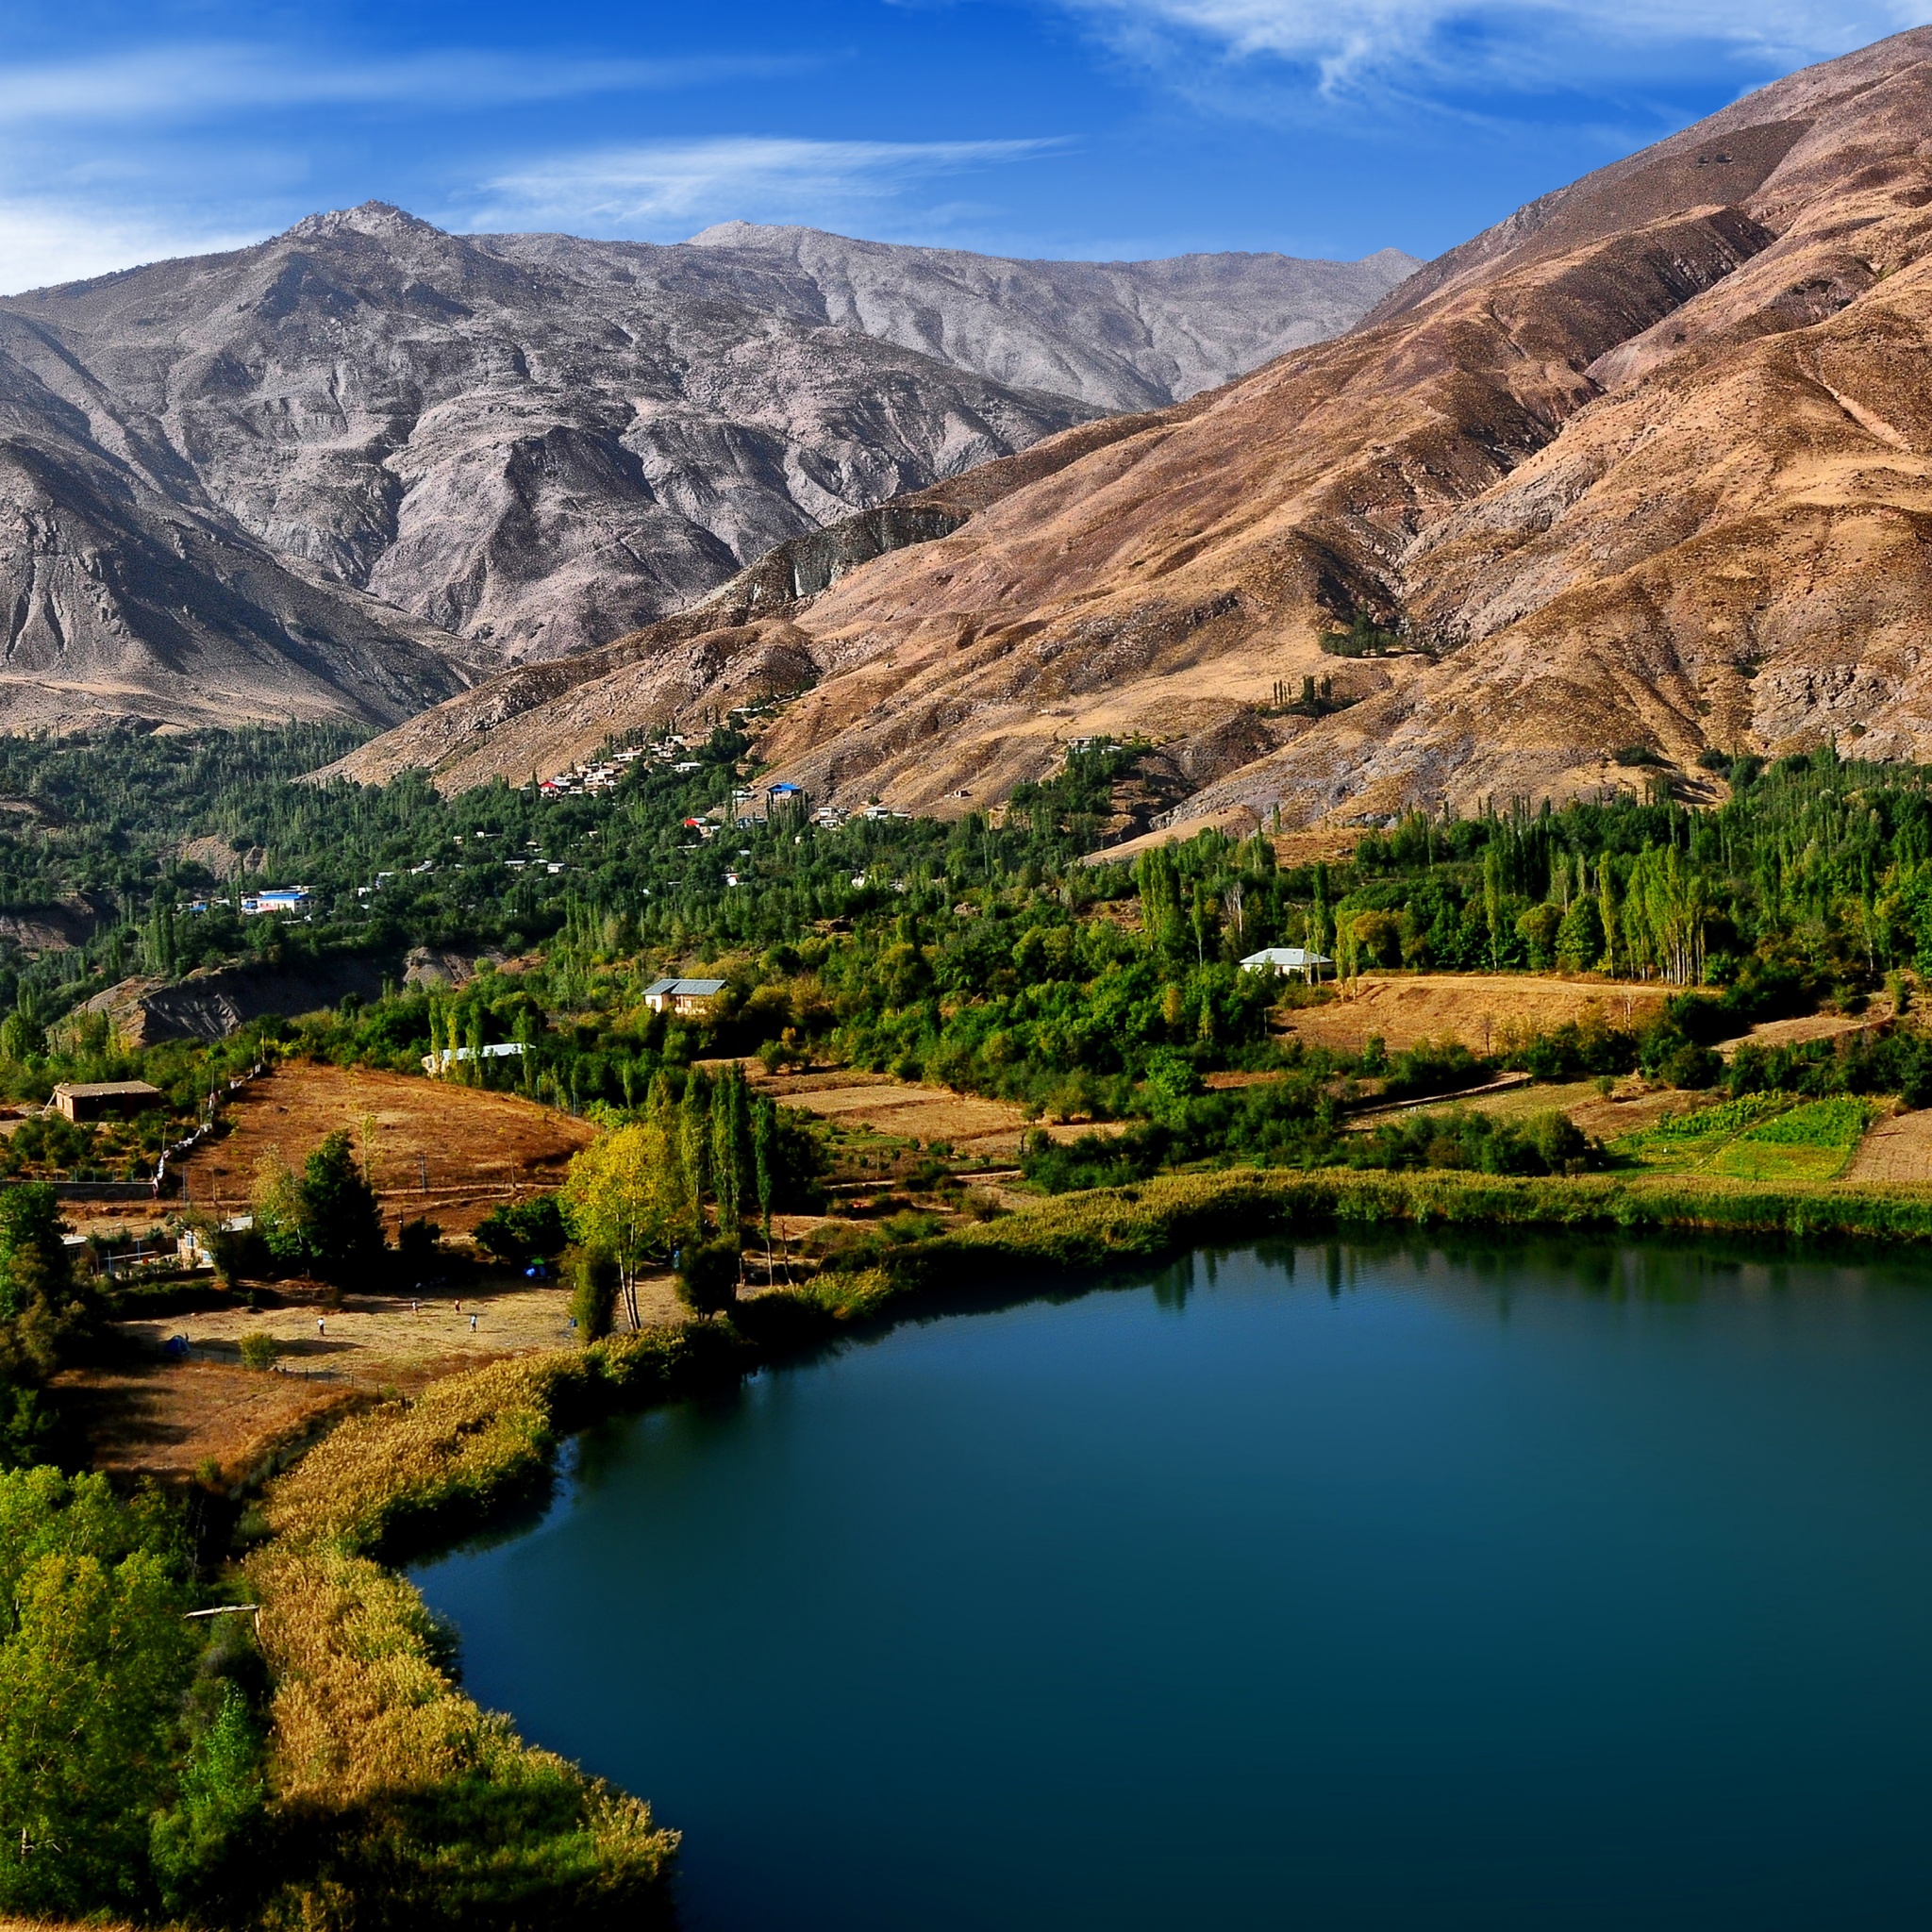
1330	1586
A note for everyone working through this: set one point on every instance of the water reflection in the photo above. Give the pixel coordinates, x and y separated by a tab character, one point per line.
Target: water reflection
1431	1578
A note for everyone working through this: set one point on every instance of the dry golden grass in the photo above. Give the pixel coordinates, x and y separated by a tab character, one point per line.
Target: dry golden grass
437	1148
1479	1009
374	1340
8	1925
417	1791
169	1419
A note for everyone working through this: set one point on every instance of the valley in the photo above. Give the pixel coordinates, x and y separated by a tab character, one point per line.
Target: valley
746	983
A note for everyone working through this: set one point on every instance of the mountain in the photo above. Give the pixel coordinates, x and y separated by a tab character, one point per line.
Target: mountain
356	467
1120	335
1643	471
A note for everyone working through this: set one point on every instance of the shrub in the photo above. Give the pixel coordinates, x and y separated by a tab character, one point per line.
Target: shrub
521	1231
420	1253
240	1254
708	1274
260	1350
592	1277
1692	1067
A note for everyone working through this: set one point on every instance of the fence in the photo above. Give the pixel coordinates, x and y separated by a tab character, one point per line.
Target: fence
74	1189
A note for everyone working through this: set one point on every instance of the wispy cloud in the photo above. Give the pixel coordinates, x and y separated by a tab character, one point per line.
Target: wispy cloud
671	187
188	83
1342	48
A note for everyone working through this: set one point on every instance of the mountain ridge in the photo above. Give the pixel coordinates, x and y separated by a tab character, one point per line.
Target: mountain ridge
1646	467
355	467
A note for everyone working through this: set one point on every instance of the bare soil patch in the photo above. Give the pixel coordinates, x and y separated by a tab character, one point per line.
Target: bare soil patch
875	1103
1476	1009
436	1148
1898	1148
1808	1027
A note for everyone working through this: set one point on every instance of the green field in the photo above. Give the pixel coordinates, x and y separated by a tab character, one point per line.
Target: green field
1760	1137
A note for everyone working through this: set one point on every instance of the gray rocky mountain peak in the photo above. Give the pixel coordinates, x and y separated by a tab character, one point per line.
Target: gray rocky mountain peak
356	466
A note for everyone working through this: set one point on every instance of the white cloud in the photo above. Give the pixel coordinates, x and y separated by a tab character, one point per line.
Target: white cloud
42	242
1346	45
188	83
665	187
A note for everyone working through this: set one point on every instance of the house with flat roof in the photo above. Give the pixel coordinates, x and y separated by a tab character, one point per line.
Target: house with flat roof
100	1100
686	996
436	1065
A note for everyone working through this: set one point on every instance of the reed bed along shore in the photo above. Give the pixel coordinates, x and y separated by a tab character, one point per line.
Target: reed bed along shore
407	1805
398	1801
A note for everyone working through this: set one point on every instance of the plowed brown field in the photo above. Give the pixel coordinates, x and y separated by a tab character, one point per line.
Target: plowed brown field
1895	1149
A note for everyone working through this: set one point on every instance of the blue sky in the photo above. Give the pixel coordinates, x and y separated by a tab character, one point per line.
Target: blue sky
1078	127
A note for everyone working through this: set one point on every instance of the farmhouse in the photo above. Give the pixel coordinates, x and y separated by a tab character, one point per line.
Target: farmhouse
99	1100
682	995
1286	959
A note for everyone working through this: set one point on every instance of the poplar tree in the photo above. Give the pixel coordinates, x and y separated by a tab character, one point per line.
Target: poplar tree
764	1152
729	1133
694	1146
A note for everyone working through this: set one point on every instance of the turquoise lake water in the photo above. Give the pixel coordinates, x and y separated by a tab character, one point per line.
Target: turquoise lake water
1316	1586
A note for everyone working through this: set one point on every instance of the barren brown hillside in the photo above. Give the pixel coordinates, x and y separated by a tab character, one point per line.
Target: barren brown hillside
1644	464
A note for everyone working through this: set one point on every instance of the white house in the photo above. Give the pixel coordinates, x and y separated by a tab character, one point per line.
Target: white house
1287	959
436	1065
276	899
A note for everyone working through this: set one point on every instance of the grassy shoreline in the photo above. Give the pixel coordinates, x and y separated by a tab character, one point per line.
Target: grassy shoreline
409	1805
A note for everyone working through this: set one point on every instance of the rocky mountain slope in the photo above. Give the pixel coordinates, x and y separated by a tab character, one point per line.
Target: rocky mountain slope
1646	466
352	467
1120	335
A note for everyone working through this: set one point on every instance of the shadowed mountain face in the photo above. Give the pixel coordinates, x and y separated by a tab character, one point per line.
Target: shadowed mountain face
1650	463
355	467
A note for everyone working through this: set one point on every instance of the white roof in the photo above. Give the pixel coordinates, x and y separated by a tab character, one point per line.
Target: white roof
1287	957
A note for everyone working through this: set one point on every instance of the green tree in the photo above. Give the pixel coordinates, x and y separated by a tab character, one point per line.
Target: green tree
1580	938
95	1658
44	1315
694	1146
625	1198
730	1145
277	1209
1538	928
342	1220
220	1798
593	1280
764	1150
